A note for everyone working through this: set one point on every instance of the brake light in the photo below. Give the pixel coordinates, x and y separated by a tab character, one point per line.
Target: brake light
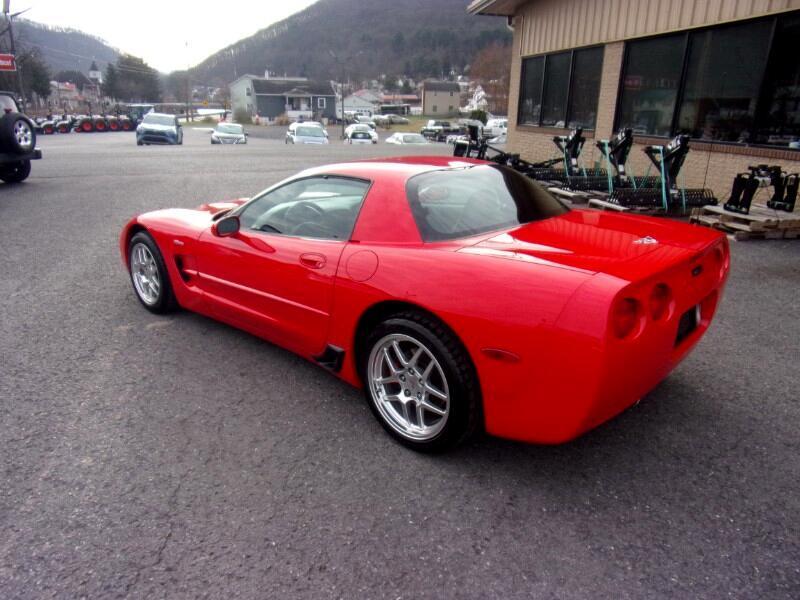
8	111
626	317
660	301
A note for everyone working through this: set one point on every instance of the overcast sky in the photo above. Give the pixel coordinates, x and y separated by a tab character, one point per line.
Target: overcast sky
158	30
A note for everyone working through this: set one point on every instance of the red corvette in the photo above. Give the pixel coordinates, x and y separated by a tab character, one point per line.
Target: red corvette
457	293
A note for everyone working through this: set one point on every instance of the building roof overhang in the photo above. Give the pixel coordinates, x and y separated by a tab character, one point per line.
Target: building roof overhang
500	8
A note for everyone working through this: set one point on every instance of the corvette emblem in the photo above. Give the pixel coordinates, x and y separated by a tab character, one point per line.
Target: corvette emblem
646	240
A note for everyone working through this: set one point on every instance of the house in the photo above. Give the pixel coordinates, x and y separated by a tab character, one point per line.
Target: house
358	105
440	98
271	97
368	95
725	72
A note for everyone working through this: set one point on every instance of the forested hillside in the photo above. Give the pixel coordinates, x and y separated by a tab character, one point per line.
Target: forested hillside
418	38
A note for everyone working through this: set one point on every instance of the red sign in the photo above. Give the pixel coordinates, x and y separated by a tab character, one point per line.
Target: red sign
7	62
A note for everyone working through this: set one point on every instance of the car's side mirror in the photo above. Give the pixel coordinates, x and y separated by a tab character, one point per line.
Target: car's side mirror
226	226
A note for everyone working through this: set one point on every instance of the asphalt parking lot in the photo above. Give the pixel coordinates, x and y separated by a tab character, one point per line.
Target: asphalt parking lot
175	457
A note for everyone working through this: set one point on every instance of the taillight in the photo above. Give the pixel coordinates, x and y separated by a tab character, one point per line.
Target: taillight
660	301
721	260
626	317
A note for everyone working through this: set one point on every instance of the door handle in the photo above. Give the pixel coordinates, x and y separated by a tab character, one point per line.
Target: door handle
312	261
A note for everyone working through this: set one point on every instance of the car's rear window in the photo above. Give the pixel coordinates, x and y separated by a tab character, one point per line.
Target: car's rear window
449	204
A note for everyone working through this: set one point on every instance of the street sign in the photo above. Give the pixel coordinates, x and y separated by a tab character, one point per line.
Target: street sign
7	62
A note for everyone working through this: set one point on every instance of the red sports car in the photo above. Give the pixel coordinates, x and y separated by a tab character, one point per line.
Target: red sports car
457	293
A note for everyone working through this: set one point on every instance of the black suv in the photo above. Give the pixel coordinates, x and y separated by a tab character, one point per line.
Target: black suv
17	141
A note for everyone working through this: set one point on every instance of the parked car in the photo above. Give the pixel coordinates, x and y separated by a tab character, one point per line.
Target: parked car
359	137
306	134
362	128
495	127
439	130
328	264
406	139
228	133
397	119
17	141
159	128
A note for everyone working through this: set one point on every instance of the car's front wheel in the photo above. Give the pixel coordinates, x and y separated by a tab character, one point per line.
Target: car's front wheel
420	382
149	274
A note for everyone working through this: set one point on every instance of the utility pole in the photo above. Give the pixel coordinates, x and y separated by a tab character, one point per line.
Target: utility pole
10	17
188	87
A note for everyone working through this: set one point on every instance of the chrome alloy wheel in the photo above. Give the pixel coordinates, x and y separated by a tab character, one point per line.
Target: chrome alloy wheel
144	273
23	133
409	387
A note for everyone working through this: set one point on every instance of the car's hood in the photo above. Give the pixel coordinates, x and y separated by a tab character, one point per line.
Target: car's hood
187	220
157	127
599	241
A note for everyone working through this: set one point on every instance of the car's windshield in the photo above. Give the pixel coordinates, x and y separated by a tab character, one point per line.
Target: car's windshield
414	138
455	203
152	119
310	132
229	128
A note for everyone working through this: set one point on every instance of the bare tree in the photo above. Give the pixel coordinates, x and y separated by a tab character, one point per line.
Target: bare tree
492	70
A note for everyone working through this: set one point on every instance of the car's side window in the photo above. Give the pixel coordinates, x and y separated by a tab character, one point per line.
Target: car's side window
316	207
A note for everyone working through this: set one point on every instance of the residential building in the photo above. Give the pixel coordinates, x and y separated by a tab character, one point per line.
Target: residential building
271	97
358	105
726	72
440	98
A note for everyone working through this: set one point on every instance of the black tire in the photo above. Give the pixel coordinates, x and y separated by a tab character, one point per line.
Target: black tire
139	143
465	397
17	142
165	301
15	172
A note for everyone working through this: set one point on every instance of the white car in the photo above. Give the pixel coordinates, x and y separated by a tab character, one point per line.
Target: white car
360	137
306	134
351	129
228	133
495	127
406	139
296	124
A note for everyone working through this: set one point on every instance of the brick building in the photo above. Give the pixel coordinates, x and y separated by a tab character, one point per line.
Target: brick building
726	72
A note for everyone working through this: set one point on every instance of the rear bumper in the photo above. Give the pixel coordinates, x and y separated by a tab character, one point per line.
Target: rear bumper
585	376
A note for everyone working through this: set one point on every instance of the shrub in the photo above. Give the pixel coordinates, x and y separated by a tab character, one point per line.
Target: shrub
242	116
478	115
282	119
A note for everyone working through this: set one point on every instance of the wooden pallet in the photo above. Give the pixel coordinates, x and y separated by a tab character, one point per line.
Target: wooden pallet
761	223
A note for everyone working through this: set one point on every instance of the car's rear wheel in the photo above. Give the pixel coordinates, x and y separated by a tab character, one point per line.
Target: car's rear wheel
420	382
15	172
149	274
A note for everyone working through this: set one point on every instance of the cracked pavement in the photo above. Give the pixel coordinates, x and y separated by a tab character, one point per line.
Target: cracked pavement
176	457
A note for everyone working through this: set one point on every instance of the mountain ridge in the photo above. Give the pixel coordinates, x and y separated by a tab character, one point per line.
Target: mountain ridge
64	48
335	38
